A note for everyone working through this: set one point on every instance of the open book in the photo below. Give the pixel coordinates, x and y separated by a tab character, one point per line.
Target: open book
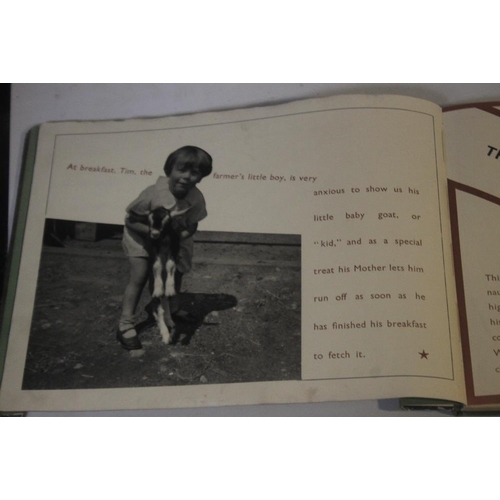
349	252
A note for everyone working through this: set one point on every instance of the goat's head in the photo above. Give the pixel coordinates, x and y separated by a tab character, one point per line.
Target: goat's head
160	218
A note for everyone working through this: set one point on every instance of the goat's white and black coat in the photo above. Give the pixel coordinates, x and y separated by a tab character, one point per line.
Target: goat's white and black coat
156	196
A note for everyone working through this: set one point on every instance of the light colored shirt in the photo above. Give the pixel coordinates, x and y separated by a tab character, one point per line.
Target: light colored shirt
156	196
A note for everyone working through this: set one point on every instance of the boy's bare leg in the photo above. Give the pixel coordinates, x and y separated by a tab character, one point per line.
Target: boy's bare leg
139	267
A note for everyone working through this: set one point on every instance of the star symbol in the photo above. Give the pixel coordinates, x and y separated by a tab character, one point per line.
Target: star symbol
423	355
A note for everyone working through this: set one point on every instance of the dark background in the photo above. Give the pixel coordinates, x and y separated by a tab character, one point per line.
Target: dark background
4	173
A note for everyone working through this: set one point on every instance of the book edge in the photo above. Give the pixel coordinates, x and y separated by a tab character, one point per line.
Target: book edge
16	243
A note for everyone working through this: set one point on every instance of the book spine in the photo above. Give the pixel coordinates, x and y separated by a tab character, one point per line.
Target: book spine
16	243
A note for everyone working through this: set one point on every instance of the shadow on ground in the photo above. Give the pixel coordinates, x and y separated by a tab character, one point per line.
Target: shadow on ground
199	306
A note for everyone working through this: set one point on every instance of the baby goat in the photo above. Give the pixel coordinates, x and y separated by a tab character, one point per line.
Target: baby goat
165	243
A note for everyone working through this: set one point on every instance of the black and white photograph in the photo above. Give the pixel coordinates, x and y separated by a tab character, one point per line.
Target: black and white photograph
240	303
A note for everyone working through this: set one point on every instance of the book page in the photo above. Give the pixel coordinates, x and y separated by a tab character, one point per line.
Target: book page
474	171
323	270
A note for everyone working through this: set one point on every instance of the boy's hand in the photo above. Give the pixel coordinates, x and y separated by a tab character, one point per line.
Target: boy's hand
178	226
184	231
133	218
137	224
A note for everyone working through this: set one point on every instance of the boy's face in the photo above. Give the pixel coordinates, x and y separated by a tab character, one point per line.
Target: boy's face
182	179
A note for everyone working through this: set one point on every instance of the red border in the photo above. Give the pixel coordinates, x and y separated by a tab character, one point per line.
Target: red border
453	187
489	107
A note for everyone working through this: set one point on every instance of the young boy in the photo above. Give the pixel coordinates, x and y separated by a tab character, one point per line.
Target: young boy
184	168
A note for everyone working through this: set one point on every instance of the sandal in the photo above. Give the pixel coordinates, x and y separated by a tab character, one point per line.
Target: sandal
131	343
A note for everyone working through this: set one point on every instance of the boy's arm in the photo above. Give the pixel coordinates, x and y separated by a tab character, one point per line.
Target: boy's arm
137	224
185	230
137	212
189	230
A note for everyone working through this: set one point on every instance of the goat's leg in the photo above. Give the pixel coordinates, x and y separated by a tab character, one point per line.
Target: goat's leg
170	279
161	311
169	291
168	332
157	277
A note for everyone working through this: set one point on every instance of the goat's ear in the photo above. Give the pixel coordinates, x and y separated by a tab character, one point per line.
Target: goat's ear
178	213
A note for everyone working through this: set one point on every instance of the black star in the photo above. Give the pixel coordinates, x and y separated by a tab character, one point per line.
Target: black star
423	354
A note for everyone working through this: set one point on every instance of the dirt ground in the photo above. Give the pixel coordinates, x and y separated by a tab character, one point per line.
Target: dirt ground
246	297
